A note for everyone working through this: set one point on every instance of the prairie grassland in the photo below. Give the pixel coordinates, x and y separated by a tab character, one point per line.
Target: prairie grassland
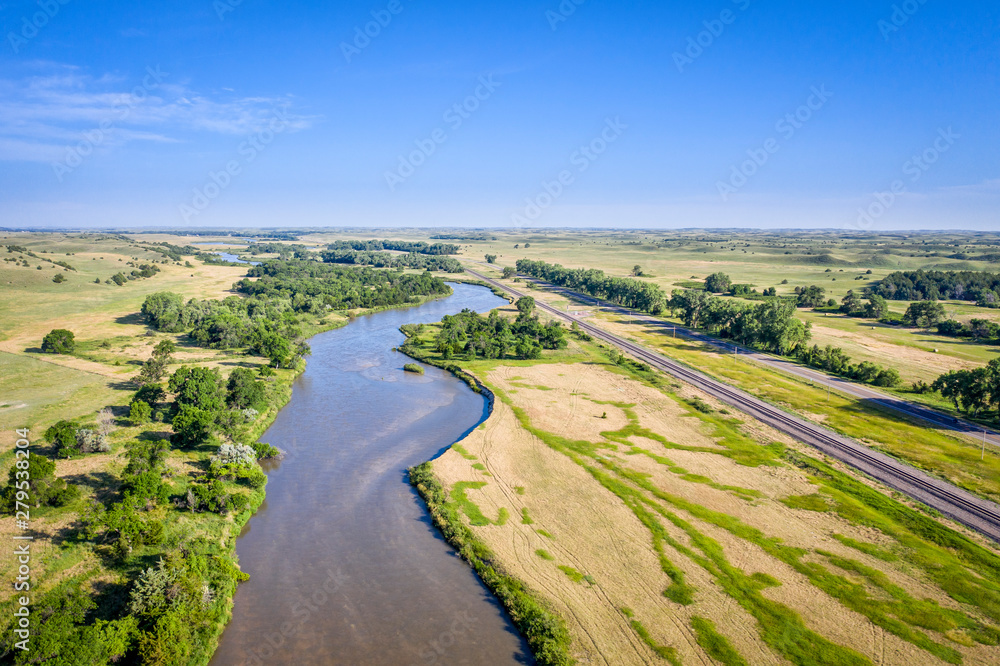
661	530
38	389
838	262
943	453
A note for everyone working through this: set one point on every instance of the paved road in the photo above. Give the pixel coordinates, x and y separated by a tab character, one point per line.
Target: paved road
972	511
860	391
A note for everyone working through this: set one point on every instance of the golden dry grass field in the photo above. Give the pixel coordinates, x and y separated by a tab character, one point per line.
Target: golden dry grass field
638	517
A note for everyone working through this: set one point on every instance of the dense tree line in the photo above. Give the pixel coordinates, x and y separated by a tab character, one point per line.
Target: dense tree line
265	322
835	361
629	292
428	262
473	336
315	287
416	247
768	326
979	287
982	330
972	391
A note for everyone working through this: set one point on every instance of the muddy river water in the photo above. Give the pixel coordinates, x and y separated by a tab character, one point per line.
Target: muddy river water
345	565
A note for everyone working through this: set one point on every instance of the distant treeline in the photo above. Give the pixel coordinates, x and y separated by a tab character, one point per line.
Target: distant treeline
981	288
265	322
418	247
769	326
629	292
314	287
386	260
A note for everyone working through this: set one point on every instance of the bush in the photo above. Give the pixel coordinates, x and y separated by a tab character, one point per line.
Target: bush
414	368
235	454
59	341
264	450
44	489
88	441
139	413
59	277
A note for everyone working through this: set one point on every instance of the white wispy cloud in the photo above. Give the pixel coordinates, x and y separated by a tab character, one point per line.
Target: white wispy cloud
52	109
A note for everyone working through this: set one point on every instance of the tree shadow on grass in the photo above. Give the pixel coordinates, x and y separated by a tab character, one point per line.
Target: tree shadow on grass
133	319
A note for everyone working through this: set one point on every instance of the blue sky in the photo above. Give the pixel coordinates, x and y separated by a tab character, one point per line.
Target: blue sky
731	113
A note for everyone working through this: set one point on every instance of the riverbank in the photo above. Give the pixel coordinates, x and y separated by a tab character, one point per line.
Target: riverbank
661	526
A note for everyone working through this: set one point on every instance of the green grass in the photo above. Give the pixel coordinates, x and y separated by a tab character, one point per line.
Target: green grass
575	575
471	509
715	644
460	450
938	452
663	652
866	548
414	368
545	555
525	518
806	502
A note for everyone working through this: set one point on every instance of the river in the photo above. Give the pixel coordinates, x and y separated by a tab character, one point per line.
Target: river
345	566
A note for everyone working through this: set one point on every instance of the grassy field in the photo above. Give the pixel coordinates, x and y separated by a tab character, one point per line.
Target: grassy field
662	527
38	389
941	452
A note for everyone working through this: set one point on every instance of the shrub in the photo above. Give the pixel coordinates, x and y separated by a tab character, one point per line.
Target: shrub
139	413
44	489
414	368
59	341
264	450
235	454
59	277
88	441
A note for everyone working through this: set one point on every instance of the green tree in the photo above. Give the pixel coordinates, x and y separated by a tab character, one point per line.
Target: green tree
139	413
163	311
877	307
491	258
192	427
637	270
198	387
509	272
718	283
62	435
851	304
811	297
925	313
525	305
59	278
59	341
243	390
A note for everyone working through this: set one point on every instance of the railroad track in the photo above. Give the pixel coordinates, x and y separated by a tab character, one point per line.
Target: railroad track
974	512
